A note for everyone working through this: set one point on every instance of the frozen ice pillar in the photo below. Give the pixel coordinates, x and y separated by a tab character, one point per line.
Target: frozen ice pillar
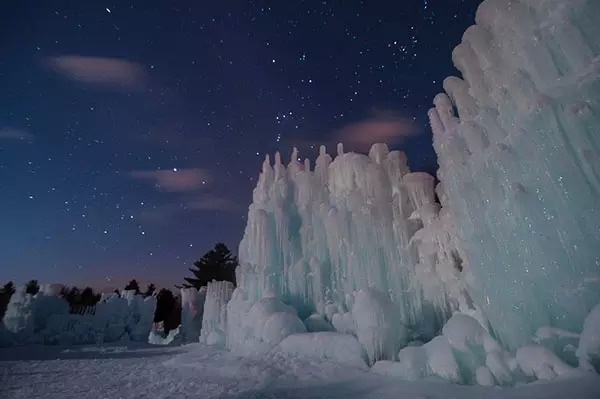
518	143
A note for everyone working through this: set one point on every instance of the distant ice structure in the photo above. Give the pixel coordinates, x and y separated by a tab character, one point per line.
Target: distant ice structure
214	321
29	317
192	308
519	157
156	338
44	319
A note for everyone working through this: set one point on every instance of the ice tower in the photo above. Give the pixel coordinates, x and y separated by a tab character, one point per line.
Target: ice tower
316	237
518	141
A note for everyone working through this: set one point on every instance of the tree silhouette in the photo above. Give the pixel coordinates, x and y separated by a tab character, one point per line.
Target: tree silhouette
217	264
32	287
168	310
5	293
133	285
8	289
150	289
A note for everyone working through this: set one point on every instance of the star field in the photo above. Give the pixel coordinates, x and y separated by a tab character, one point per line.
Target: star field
132	133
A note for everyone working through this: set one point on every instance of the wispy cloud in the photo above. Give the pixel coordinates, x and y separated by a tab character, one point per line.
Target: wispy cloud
112	73
9	133
381	126
384	126
167	212
176	180
212	202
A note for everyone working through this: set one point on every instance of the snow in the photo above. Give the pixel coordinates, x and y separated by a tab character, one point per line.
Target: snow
198	371
541	363
336	347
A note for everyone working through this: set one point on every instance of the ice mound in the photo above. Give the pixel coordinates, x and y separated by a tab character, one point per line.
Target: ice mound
541	363
588	351
336	347
563	343
214	321
258	327
519	160
434	359
465	353
378	326
156	338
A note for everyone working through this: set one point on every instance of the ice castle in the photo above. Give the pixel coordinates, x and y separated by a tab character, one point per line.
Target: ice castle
362	244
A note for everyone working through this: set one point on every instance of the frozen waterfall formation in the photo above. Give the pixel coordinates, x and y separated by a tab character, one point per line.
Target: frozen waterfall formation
360	246
518	143
359	242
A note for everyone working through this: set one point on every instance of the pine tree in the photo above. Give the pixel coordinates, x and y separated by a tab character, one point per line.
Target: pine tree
32	287
133	285
5	294
217	264
150	289
8	289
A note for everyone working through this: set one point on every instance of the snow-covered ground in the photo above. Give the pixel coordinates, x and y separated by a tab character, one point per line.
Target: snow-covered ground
198	371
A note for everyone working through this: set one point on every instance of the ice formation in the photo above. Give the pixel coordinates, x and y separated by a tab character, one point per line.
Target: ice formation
508	256
519	156
44	319
357	240
192	308
588	351
29	317
214	321
337	347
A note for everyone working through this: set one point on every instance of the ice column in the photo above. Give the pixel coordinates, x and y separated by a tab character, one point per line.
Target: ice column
316	237
518	146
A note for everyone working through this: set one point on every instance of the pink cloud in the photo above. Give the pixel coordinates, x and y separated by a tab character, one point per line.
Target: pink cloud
111	72
383	127
176	180
9	133
213	203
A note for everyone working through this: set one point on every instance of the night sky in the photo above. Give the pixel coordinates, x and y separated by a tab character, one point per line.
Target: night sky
132	133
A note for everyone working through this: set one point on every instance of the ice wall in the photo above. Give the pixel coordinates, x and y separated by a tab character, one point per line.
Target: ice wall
192	308
316	236
218	293
519	153
44	319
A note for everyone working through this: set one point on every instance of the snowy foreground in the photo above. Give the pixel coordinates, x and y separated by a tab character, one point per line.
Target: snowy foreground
198	371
